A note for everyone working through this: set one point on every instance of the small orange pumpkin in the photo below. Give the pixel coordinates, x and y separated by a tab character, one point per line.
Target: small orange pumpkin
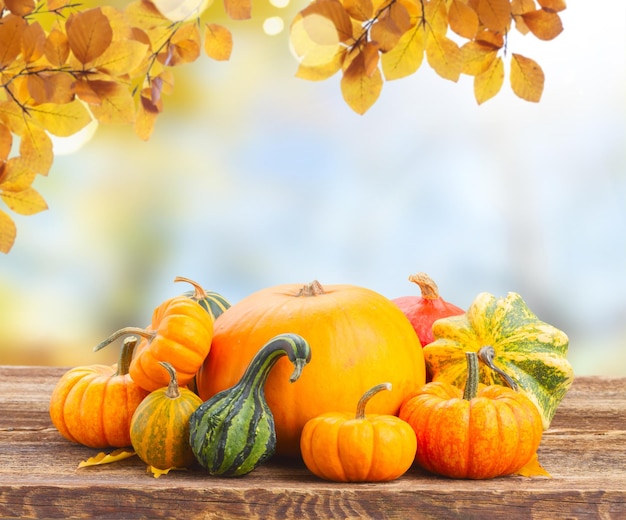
345	448
93	405
357	337
481	432
180	333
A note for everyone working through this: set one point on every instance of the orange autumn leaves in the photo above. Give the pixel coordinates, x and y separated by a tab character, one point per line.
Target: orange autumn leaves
62	66
370	41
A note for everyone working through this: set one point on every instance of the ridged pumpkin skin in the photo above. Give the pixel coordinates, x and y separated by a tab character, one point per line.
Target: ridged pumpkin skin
233	432
345	447
357	337
93	405
532	352
159	429
181	333
494	434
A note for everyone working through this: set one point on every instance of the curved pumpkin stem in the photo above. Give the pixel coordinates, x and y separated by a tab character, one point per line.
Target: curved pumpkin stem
471	383
428	287
172	391
360	407
487	354
126	355
313	289
198	291
126	331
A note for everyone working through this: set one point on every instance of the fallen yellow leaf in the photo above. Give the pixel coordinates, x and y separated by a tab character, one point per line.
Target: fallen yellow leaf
106	458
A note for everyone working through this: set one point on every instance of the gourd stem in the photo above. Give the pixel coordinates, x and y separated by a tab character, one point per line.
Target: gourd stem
428	287
126	331
313	289
198	291
126	355
360	407
473	375
293	346
487	354
172	388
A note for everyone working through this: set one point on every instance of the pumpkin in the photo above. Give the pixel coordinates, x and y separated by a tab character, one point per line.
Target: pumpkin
180	333
93	405
159	429
422	311
531	352
233	432
342	447
214	303
358	338
481	432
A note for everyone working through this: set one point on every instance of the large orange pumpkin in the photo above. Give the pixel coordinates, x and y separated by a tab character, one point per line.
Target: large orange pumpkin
357	337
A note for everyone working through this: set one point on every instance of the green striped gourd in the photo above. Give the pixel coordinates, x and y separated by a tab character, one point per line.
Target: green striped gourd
233	432
159	429
511	340
214	303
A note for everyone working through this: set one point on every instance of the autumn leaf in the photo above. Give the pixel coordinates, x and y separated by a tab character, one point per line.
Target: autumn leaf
543	24
156	472
463	19
62	120
533	469
444	56
8	232
36	150
495	14
238	9
20	7
116	105
390	27
11	30
25	202
144	14
6	142
527	78
122	57
89	34
107	458
16	175
51	87
359	88
323	70
218	42
315	40
146	117
184	46
57	48
488	83
33	42
552	5
361	10
406	57
476	57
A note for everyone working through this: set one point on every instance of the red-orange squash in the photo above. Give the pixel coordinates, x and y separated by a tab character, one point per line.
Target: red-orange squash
93	405
477	433
357	337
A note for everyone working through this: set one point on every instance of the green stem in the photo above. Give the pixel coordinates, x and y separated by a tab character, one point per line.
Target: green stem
360	408
126	331
487	354
473	375
126	355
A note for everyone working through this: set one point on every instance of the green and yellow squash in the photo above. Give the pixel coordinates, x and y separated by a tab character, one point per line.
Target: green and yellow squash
214	303
233	432
511	340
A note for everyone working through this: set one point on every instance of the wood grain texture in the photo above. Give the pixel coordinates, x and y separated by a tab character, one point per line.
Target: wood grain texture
584	450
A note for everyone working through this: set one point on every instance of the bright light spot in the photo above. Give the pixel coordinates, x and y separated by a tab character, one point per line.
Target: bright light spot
279	3
273	25
314	40
178	10
74	142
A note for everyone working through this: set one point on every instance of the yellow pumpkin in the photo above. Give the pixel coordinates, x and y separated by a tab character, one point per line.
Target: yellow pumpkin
357	337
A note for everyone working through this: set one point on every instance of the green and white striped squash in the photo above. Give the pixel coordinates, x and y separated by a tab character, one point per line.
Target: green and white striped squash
531	352
159	428
214	303
233	432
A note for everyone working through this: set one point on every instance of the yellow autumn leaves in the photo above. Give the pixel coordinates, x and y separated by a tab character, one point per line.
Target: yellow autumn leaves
62	67
370	41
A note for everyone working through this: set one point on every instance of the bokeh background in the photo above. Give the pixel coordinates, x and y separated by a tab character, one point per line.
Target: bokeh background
254	178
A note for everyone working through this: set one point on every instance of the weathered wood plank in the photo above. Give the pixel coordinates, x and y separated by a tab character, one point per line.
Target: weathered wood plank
585	451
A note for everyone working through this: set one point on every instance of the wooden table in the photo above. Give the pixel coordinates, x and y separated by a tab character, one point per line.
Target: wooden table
584	451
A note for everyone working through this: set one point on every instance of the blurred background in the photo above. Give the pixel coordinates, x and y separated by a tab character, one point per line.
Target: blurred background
254	178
